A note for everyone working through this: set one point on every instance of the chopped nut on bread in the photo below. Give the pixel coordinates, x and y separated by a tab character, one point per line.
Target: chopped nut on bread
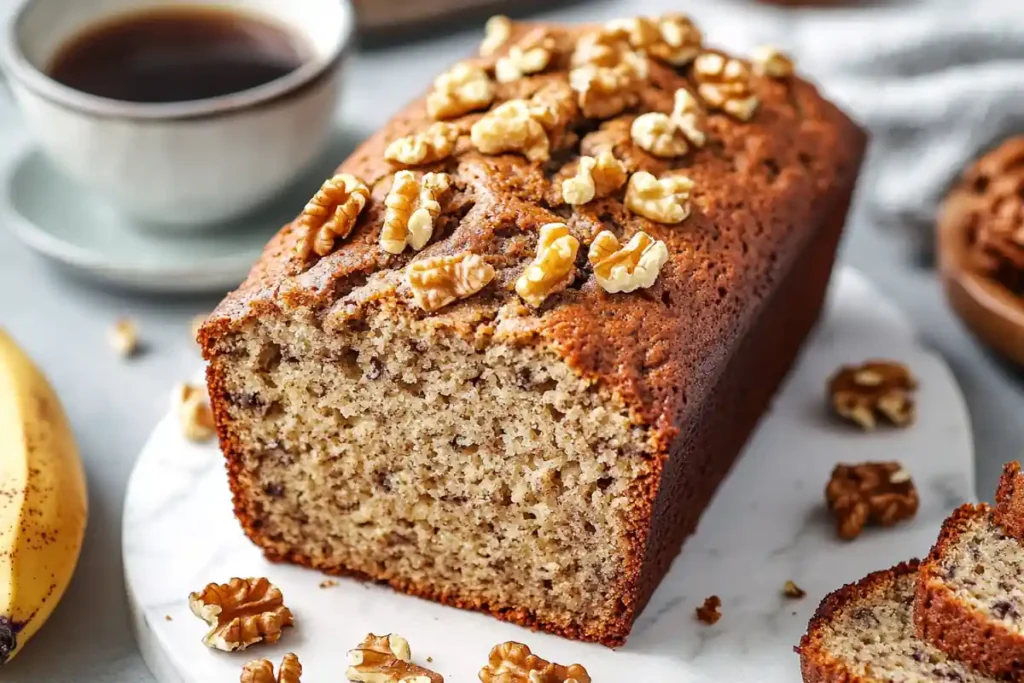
724	83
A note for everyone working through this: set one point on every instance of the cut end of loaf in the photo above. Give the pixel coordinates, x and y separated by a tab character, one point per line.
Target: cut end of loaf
488	477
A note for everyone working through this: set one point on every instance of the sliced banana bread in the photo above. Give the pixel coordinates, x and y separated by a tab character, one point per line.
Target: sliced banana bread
1009	511
970	594
864	633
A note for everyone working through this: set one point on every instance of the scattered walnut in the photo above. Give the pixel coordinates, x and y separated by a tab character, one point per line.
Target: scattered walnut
724	83
412	206
709	612
530	55
262	671
880	493
687	115
665	200
434	144
497	31
626	268
791	590
876	388
331	214
462	89
554	267
240	613
604	91
514	663
595	177
658	134
192	405
672	38
386	659
438	281
514	126
124	337
771	62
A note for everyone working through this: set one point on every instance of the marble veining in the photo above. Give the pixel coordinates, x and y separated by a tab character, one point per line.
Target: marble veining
767	525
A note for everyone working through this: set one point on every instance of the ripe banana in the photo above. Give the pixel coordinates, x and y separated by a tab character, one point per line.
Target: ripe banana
43	504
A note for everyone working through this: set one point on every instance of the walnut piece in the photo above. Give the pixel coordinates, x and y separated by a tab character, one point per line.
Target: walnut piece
880	493
672	38
878	388
438	281
771	62
191	404
793	591
725	84
658	134
124	337
262	671
595	177
530	55
240	613
514	126
411	208
464	88
434	144
386	659
554	267
688	116
665	200
709	612
331	214
497	31
605	91
514	663
626	268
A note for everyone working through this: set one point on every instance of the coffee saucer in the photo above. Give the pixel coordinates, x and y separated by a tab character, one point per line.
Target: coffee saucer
57	218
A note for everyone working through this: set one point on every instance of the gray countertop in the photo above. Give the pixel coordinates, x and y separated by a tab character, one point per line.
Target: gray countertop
113	404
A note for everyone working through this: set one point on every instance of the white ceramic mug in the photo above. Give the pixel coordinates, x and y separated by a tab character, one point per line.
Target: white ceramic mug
181	164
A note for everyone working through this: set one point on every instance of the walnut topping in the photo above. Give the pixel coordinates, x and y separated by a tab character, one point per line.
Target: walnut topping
531	55
665	200
412	207
497	31
462	89
240	613
553	269
687	115
331	214
192	406
672	39
595	178
793	591
386	659
437	282
604	91
514	663
880	493
124	337
514	126
262	671
724	83
875	389
771	62
709	612
658	134
626	268
434	144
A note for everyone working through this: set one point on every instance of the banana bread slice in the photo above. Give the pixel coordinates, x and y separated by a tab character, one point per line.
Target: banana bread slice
540	459
864	633
970	594
1009	510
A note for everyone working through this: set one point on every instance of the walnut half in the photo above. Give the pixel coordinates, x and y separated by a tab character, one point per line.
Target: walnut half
663	200
878	388
621	268
386	659
437	282
880	493
331	214
514	663
411	209
725	83
240	613
554	267
596	177
262	671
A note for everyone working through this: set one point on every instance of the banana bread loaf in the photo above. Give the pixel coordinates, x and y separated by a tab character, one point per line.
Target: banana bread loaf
504	358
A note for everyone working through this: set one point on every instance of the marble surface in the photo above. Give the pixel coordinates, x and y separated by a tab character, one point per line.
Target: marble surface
766	525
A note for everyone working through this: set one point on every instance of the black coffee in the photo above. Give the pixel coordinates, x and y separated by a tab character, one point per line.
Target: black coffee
177	54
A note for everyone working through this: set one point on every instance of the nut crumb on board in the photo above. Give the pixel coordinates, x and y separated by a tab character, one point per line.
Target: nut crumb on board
710	612
791	590
876	389
124	337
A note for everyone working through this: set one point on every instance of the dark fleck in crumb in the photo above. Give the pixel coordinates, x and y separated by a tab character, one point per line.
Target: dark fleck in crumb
709	612
375	371
274	490
1002	609
328	583
791	590
978	569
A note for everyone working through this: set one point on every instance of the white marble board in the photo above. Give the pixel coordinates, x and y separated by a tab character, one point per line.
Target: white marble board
766	525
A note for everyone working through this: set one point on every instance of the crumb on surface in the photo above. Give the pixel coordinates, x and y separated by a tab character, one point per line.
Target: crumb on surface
709	612
791	590
328	583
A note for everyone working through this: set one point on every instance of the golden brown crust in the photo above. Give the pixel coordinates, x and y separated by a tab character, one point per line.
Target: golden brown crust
1009	510
816	663
958	629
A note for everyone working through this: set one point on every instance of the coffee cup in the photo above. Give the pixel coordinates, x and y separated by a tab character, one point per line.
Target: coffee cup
187	163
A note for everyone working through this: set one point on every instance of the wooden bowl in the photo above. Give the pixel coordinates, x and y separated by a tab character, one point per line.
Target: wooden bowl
989	310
